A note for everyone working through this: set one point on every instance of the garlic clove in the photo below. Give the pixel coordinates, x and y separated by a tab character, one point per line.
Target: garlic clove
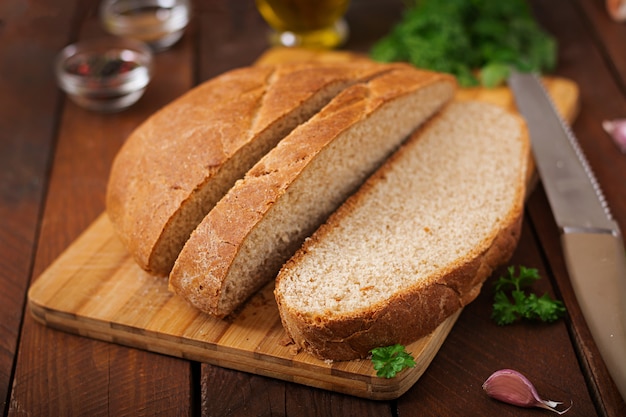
616	9
512	387
617	130
508	386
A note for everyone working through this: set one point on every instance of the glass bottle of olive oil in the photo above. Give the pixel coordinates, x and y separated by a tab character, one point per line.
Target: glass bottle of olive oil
306	23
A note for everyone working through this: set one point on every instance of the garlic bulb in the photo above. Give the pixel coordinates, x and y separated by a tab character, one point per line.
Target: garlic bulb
512	387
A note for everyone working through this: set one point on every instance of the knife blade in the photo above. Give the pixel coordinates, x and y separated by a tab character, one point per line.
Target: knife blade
591	239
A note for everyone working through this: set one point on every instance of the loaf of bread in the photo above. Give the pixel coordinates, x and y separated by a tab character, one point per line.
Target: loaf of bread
417	240
174	167
243	241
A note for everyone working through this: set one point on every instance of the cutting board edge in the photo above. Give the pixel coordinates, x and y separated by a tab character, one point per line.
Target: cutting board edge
373	388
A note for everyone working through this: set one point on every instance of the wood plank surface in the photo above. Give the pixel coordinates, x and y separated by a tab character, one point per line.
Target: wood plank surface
96	290
58	373
29	93
595	62
55	157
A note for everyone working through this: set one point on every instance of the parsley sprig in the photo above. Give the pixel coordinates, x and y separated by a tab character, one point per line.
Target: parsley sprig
522	305
464	37
390	360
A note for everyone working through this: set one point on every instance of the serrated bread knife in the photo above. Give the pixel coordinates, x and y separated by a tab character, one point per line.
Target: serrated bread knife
591	240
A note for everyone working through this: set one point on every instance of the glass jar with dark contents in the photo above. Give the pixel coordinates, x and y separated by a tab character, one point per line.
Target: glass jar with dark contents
107	74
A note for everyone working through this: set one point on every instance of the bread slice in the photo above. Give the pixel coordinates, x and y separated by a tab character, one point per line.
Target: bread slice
242	243
416	242
182	160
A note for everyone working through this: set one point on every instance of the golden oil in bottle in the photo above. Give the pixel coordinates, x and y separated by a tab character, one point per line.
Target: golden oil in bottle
306	23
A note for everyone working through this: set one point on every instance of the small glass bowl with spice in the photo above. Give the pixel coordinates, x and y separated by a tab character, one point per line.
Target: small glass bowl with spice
158	23
105	74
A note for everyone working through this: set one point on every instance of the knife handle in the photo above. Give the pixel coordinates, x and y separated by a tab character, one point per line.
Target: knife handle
596	263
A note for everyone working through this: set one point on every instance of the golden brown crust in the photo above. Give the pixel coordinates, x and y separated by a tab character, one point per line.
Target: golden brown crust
166	158
225	228
410	314
155	182
204	265
405	317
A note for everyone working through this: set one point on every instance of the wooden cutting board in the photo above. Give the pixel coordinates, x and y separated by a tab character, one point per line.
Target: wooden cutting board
96	290
563	92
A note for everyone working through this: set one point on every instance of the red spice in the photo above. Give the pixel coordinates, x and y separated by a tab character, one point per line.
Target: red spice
99	66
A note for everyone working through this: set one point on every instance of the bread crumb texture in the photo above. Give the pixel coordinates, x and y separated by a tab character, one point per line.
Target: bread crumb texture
261	222
426	219
174	167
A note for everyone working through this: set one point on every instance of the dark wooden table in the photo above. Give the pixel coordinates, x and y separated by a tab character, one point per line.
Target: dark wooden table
54	162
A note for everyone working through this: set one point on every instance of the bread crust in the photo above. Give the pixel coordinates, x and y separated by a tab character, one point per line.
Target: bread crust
403	318
416	311
204	270
177	164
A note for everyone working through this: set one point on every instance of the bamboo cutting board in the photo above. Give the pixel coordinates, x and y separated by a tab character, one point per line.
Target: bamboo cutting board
96	290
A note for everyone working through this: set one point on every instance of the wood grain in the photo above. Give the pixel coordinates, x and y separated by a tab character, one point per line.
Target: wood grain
29	93
56	373
96	290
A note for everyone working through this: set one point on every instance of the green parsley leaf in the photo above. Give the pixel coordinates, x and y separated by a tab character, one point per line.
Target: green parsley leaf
504	312
545	308
390	360
520	305
510	282
464	38
494	74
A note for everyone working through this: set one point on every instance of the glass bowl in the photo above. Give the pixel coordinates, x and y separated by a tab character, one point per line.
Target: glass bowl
107	74
158	23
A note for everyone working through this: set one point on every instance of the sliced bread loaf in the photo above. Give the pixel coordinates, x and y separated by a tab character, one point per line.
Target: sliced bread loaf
416	242
182	160
264	218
